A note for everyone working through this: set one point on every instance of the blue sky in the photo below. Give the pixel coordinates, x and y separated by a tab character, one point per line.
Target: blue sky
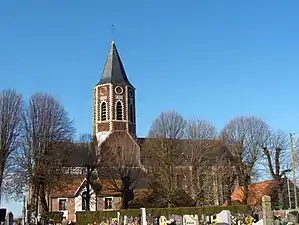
208	59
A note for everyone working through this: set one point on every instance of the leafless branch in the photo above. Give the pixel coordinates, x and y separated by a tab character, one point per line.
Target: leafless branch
245	138
276	154
120	165
47	128
11	109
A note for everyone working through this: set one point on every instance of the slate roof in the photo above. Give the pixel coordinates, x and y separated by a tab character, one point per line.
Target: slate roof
216	149
114	71
77	156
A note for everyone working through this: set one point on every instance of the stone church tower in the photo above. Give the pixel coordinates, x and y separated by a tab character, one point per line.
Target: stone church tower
114	99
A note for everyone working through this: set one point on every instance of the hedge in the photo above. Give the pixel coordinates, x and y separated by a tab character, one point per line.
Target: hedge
83	218
55	216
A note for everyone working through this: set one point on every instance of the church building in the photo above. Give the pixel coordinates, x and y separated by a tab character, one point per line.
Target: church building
114	124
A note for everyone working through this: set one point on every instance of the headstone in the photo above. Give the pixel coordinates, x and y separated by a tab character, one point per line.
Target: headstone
156	220
9	219
267	212
202	218
143	216
292	217
177	218
125	220
2	215
260	222
118	217
224	217
190	220
151	219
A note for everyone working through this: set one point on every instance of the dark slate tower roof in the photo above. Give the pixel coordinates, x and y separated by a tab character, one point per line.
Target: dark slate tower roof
114	71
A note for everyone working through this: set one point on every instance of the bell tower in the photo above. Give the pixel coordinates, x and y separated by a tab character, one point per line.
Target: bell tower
114	98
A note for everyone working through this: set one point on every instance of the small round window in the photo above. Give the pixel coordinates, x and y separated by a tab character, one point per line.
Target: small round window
119	90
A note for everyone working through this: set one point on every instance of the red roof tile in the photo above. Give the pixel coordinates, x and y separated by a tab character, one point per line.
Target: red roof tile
256	192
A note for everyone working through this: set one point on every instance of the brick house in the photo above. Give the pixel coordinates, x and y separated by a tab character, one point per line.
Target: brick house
71	198
268	187
114	124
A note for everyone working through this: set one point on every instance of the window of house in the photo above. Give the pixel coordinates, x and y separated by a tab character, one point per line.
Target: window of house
103	111
131	113
119	111
108	203
62	205
84	196
179	180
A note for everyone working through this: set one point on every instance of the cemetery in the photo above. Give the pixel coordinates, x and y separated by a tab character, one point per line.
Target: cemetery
213	215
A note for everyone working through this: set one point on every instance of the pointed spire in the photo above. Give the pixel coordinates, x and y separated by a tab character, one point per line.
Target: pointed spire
114	71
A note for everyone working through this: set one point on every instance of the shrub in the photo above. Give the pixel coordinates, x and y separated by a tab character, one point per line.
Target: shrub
84	218
55	216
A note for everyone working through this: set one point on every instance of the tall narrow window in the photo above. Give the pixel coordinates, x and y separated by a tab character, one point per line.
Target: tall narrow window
119	111
62	205
84	200
103	111
108	203
131	113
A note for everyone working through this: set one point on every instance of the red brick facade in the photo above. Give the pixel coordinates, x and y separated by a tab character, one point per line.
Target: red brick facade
110	94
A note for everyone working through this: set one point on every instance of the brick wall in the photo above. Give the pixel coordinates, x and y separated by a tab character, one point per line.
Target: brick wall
116	203
111	98
70	207
129	147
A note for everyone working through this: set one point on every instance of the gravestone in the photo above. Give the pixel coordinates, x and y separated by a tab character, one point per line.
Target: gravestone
267	212
156	220
118	217
190	220
177	218
151	219
292	217
125	220
260	222
2	215
224	217
143	216
9	219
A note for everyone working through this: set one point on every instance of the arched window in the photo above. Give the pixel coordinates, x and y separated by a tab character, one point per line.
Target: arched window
119	111
103	111
131	113
84	200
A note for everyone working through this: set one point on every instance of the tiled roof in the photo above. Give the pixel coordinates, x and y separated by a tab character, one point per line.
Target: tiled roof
256	192
103	187
67	189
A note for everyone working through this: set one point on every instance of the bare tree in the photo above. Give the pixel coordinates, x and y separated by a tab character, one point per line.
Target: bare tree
11	109
276	154
120	165
201	136
245	138
164	154
47	128
170	125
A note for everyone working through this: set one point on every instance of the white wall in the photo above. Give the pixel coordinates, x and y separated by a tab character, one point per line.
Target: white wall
78	200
